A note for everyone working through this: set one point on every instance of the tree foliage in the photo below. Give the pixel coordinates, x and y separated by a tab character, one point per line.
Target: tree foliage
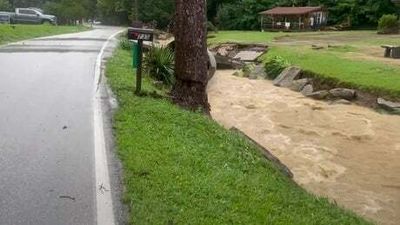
243	14
4	5
388	24
67	11
226	14
159	12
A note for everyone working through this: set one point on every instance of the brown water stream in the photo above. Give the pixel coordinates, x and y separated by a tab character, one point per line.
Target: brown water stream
348	153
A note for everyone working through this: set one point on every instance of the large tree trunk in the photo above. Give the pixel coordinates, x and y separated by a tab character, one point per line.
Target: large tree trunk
191	55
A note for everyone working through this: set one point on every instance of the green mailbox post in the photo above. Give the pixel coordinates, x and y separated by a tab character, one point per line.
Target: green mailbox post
139	35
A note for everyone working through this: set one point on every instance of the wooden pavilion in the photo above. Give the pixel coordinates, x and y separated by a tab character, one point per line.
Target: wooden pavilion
294	18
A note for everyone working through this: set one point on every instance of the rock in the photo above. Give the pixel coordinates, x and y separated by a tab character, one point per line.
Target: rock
286	78
258	71
298	85
224	62
319	95
212	65
226	49
307	90
316	47
388	105
341	102
238	74
247	69
348	94
248	56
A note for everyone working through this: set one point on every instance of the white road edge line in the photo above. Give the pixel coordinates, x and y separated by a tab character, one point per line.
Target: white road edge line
104	204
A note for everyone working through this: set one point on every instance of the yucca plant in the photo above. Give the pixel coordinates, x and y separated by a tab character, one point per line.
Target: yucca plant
159	64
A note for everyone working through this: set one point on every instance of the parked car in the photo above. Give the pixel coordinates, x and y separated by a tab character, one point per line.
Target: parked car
29	16
5	17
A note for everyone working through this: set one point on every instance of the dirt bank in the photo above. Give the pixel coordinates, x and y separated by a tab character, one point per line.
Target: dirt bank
348	153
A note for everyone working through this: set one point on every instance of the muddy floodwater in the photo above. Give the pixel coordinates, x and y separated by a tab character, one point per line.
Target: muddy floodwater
348	153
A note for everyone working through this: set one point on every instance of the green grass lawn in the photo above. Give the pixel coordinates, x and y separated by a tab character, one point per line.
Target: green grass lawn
371	76
182	168
22	32
243	37
333	63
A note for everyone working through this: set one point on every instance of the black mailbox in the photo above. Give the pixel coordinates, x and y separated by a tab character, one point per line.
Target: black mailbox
140	34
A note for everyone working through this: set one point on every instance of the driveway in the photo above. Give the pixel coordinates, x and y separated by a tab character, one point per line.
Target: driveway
47	148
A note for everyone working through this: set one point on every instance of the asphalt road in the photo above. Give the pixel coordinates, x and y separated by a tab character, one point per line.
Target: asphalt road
47	162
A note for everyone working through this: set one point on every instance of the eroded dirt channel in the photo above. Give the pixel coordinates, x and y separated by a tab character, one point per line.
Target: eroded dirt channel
348	153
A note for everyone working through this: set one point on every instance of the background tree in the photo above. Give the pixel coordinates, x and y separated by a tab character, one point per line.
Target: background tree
114	11
4	5
126	11
191	56
159	11
26	3
243	14
226	14
69	11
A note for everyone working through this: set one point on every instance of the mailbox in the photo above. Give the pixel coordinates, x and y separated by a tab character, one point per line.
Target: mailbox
140	34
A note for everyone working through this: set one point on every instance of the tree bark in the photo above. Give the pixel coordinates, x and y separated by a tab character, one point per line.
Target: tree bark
191	56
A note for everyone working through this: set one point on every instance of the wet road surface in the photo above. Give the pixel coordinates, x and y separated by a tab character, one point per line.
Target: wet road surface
47	172
348	153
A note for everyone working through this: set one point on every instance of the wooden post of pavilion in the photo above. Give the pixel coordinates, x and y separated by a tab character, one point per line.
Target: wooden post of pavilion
299	22
273	22
262	23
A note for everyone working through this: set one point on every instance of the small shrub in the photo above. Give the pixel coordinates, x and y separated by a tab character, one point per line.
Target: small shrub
211	27
388	24
275	66
210	36
125	44
247	69
159	64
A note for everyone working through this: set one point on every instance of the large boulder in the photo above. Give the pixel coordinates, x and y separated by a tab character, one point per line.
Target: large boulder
258	72
226	50
388	105
307	90
286	78
212	65
298	85
224	62
344	93
341	102
248	55
319	95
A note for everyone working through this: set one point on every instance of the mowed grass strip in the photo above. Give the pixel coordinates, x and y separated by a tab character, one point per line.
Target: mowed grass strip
253	37
14	33
182	168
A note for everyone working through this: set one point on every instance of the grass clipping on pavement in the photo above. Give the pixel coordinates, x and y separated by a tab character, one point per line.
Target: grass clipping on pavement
181	167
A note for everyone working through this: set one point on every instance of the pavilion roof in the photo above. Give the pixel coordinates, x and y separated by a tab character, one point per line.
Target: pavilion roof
291	10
